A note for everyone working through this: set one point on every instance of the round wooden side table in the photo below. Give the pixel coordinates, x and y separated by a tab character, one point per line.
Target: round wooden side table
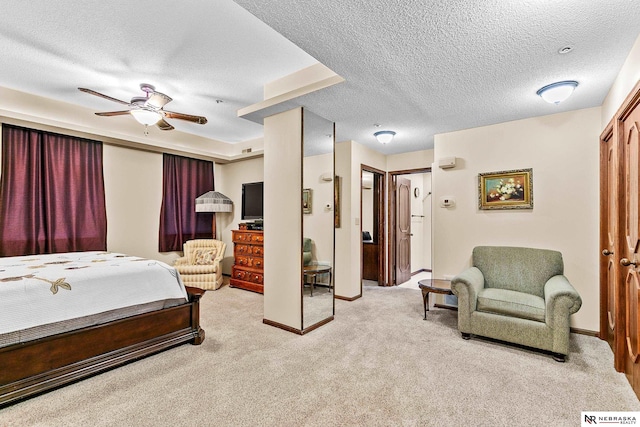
438	286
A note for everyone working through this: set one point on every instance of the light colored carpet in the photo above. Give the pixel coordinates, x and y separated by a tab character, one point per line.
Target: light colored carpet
377	364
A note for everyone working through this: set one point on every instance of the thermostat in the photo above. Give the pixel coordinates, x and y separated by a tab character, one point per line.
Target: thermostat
447	202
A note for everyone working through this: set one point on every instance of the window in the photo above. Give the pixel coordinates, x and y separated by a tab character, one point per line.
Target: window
51	193
184	179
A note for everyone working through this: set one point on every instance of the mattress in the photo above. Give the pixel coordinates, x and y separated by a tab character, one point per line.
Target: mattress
42	295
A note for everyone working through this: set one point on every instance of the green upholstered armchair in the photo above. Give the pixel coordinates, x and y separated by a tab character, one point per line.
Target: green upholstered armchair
306	251
519	295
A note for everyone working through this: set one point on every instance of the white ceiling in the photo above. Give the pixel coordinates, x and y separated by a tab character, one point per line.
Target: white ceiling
195	51
415	67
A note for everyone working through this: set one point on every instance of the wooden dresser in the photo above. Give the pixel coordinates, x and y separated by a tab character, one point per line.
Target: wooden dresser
248	267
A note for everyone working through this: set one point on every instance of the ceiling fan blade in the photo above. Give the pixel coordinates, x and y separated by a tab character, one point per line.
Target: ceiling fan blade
195	119
158	100
114	113
163	125
93	92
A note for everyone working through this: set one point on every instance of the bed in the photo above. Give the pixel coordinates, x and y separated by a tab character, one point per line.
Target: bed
64	317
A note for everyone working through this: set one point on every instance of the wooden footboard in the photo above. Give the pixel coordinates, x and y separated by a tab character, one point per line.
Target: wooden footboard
37	366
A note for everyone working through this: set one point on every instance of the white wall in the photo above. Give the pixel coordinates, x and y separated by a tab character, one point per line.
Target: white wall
133	195
283	218
343	265
563	151
627	78
428	221
413	160
349	157
228	180
316	223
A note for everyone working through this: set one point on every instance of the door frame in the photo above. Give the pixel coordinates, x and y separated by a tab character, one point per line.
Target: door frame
615	130
618	347
391	220
379	212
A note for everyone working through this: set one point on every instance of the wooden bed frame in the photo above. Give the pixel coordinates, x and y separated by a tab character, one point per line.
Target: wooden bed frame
41	365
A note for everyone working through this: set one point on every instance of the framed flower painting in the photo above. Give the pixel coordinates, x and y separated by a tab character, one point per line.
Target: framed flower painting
511	189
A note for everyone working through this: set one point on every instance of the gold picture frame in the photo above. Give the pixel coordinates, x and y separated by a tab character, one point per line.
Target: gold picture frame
511	189
307	200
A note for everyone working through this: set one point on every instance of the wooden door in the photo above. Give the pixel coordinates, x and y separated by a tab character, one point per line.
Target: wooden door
609	208
629	128
403	230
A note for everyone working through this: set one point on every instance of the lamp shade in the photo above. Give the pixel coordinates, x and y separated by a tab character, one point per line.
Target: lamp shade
557	92
146	117
213	201
384	136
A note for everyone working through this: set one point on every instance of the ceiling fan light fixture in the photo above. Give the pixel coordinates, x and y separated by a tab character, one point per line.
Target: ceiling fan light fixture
557	92
384	136
146	117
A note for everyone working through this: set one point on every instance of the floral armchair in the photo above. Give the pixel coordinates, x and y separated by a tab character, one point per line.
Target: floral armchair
200	266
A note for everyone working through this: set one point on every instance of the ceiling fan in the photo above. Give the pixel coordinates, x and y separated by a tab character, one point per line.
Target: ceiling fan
148	110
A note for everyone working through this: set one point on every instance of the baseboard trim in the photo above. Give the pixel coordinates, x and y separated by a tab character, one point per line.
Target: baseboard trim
294	330
317	325
282	326
340	297
422	270
585	332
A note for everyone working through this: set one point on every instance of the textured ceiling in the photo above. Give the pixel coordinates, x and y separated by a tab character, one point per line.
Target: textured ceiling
415	67
421	68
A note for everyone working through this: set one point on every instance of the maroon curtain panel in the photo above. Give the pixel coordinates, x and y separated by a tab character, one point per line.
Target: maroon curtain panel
51	193
184	179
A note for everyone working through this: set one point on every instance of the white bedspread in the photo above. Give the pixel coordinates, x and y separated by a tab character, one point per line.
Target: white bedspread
41	289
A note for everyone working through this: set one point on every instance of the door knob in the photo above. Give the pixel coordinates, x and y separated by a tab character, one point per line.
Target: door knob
607	252
625	262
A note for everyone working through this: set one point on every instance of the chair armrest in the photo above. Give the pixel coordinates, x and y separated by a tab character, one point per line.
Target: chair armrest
466	286
561	300
181	261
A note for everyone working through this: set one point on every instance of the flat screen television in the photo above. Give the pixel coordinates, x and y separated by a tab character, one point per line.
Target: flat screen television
252	200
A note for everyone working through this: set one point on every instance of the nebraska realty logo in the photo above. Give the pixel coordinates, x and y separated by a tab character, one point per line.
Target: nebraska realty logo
610	418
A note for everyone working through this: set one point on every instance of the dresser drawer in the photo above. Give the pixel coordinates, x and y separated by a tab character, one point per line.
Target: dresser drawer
247	276
241	249
249	261
248	237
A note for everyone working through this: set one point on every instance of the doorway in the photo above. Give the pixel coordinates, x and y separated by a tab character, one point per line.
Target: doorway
409	220
372	225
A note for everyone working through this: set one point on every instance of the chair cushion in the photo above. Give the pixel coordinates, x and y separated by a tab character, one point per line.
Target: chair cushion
517	269
511	303
204	256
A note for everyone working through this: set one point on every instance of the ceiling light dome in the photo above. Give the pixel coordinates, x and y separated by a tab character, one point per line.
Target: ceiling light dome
557	92
146	117
384	136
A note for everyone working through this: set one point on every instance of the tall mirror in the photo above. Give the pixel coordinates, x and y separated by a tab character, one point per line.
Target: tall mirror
318	218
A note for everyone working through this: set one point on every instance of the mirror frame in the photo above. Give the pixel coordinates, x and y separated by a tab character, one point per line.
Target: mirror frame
317	323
